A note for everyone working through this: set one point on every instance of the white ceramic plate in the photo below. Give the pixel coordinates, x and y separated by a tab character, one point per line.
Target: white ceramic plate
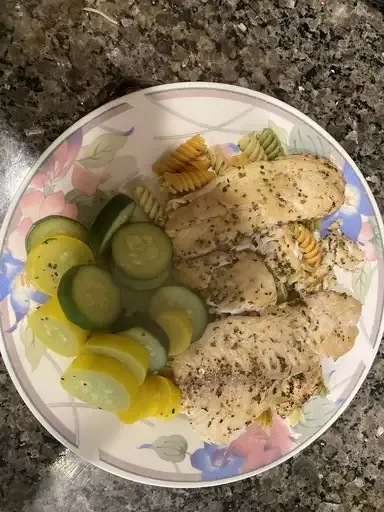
102	153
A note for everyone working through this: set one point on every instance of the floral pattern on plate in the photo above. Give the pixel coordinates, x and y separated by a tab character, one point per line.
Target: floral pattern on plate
94	160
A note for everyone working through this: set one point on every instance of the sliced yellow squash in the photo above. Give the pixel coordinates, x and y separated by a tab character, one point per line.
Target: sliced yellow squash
120	347
100	381
49	324
145	403
177	326
166	372
49	260
169	399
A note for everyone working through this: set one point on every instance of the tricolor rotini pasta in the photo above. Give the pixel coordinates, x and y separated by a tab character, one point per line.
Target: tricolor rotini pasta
145	199
219	162
178	159
239	160
308	244
270	142
252	148
200	164
187	181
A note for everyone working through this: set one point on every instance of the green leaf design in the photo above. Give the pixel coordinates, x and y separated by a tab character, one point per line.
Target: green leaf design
324	391
376	240
88	206
101	151
361	281
304	139
316	414
171	448
34	349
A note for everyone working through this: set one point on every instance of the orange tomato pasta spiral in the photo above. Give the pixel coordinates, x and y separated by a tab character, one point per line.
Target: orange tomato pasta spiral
177	160
308	244
187	181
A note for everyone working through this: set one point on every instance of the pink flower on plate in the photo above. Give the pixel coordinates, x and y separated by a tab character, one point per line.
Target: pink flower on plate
35	206
262	446
59	163
84	180
365	236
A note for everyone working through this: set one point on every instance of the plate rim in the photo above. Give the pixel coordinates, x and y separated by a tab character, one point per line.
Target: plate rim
23	186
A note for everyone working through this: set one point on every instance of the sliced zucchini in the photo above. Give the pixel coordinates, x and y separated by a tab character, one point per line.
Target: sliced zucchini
150	335
145	403
49	260
180	298
117	212
142	250
89	297
178	328
50	325
100	381
52	226
139	284
121	347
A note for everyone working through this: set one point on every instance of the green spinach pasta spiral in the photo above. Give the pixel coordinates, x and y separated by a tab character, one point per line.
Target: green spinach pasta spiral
252	148
271	144
145	199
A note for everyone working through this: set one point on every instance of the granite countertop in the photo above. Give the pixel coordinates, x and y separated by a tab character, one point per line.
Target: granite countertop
57	63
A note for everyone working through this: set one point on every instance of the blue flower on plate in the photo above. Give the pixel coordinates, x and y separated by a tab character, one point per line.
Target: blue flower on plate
356	203
215	462
14	282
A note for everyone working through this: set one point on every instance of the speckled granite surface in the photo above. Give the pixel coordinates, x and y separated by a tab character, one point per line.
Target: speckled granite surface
57	63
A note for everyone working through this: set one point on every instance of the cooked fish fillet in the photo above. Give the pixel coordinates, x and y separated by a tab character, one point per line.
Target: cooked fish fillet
245	285
256	197
232	283
281	254
340	250
197	273
227	378
291	393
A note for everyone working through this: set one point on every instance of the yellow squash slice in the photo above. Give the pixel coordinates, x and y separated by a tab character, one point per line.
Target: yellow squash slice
49	324
169	399
49	260
177	326
145	403
120	347
100	381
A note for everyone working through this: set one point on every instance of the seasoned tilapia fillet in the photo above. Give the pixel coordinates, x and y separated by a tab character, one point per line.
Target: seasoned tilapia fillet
283	257
254	198
232	374
289	394
197	273
245	285
230	282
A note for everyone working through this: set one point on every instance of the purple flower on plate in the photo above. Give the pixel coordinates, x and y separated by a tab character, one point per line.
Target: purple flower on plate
14	283
216	462
356	203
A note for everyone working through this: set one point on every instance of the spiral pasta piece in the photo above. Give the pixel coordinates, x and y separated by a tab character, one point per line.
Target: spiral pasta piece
252	148
239	160
145	199
178	159
270	142
187	181
201	164
219	162
308	244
